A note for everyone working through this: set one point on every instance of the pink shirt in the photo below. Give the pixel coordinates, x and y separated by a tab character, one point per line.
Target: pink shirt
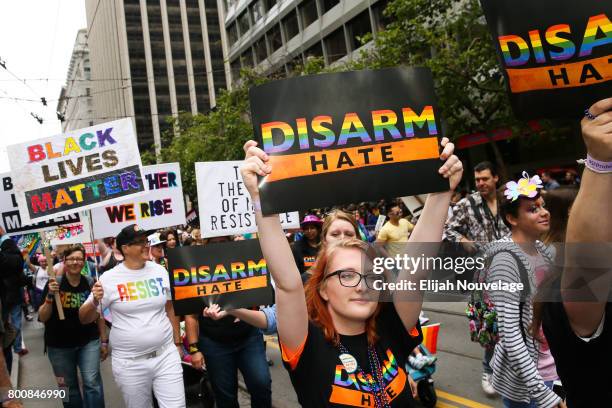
546	362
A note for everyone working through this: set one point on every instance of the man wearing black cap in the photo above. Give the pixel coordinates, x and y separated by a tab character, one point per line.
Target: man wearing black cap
145	337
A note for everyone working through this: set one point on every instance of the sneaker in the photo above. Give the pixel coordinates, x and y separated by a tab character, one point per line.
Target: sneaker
29	317
429	360
486	385
422	318
23	352
417	362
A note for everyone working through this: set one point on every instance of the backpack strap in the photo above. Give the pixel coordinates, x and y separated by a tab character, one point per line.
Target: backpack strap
475	208
524	277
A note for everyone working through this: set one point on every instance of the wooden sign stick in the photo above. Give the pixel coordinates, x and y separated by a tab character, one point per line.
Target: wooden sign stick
51	273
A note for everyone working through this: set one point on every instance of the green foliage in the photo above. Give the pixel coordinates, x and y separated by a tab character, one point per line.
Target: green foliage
216	135
452	39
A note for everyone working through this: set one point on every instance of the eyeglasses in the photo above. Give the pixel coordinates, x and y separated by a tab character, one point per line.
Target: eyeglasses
350	278
74	260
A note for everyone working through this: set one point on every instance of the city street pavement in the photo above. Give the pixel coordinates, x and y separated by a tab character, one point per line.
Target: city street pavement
457	379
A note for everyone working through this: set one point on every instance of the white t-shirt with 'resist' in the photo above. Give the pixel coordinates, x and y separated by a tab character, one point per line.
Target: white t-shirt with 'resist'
137	300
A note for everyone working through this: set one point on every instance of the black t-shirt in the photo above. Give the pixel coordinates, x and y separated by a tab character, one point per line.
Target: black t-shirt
583	367
70	332
225	330
304	255
321	380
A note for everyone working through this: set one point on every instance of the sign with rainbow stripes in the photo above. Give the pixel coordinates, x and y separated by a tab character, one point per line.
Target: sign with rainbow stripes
347	137
230	274
556	55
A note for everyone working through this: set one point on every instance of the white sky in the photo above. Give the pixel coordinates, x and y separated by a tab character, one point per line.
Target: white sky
36	40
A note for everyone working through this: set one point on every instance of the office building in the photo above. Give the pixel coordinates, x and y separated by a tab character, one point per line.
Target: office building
152	59
277	35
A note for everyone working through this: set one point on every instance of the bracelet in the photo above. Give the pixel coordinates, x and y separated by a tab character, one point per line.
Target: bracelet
257	205
49	301
597	166
104	343
193	348
49	296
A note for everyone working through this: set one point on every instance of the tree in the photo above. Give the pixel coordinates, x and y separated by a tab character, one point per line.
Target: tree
216	135
450	37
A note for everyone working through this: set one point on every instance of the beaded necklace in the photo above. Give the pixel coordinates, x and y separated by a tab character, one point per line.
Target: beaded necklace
376	384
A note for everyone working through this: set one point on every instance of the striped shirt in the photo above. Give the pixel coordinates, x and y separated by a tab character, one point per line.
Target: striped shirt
514	363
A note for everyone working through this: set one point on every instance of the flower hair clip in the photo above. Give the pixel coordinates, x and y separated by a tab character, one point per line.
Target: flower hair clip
526	186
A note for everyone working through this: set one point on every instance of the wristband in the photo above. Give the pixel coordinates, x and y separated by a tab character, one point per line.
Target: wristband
96	302
104	343
48	301
193	348
597	166
49	296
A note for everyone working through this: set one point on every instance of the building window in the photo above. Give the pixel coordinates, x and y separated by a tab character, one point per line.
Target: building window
269	4
243	23
315	51
290	25
232	33
257	11
91	123
274	38
308	12
335	45
235	68
87	91
261	52
359	27
328	5
247	58
380	19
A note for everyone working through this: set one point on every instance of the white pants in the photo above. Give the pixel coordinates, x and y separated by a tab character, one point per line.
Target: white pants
162	374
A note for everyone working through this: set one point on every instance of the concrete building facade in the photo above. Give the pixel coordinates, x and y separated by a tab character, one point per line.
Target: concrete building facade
151	59
277	35
75	104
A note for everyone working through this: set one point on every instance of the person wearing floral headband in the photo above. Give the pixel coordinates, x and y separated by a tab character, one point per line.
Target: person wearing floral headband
521	257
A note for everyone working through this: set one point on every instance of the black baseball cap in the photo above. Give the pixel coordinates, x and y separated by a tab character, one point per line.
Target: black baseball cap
129	235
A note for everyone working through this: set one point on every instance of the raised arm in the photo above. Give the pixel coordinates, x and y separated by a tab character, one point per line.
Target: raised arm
590	222
292	314
426	233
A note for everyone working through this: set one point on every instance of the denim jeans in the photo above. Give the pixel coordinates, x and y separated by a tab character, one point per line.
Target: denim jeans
223	362
508	403
16	317
486	360
87	358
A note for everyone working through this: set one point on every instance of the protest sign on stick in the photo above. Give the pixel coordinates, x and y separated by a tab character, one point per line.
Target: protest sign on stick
556	55
51	272
347	137
75	171
10	219
231	274
224	205
162	206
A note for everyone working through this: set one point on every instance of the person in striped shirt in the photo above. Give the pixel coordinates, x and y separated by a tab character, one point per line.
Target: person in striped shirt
518	258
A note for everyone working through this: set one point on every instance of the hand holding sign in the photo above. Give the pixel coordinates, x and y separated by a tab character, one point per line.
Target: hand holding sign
596	132
255	164
452	169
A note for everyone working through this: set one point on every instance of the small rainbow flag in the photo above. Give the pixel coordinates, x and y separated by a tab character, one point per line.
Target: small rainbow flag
430	336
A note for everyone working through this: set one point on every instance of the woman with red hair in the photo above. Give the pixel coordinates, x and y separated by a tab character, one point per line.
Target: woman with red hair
340	345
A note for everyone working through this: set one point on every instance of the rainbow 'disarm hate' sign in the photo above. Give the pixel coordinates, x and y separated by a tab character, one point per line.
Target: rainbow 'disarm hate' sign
232	274
78	170
347	137
556	55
